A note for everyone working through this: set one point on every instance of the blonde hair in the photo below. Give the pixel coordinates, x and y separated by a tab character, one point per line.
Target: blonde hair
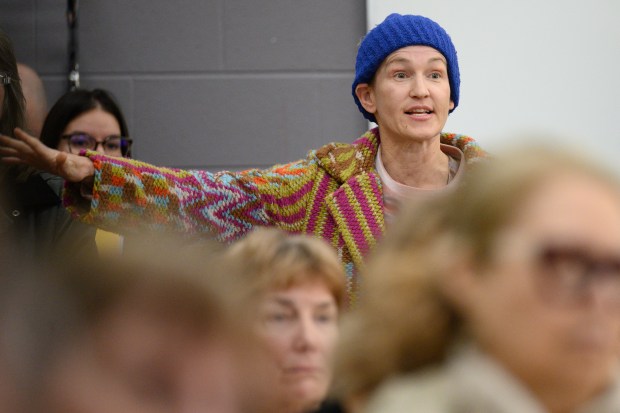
269	258
404	321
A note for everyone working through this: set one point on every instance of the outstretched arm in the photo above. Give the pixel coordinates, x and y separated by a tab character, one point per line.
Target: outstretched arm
26	149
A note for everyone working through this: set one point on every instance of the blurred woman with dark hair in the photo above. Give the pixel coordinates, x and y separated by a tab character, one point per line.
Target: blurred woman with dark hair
31	211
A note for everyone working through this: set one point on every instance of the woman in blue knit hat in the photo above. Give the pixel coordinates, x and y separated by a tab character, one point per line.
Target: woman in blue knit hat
406	80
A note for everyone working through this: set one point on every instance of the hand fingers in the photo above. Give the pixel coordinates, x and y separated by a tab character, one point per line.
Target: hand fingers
24	136
7	151
7	140
12	160
13	147
13	144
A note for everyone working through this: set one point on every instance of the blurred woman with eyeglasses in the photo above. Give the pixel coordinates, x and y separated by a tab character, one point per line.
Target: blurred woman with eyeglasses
502	296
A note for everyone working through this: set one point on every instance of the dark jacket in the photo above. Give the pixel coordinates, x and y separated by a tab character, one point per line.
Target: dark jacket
32	216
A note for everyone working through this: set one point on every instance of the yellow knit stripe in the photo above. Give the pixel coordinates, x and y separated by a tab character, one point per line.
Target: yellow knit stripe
347	158
356	254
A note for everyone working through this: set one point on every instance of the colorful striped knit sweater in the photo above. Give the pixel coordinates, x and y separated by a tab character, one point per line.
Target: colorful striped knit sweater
334	193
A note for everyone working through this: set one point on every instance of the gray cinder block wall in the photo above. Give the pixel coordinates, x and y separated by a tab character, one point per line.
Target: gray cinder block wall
210	84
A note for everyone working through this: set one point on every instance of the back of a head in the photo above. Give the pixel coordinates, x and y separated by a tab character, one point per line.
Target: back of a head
152	319
35	98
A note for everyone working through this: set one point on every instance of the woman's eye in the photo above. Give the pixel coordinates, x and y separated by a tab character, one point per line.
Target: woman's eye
278	317
435	75
400	75
325	318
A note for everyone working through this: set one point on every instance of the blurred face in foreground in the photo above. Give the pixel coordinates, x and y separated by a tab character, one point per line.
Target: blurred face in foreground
139	361
300	326
547	305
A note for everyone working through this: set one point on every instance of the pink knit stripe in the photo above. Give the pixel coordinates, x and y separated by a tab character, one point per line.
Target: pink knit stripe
316	202
293	218
352	221
366	201
296	194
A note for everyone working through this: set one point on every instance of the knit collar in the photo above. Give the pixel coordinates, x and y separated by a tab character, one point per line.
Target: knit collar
343	161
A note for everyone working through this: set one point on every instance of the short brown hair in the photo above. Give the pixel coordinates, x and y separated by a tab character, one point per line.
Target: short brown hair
269	258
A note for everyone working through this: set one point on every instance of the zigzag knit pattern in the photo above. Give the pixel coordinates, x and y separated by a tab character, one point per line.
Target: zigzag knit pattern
334	193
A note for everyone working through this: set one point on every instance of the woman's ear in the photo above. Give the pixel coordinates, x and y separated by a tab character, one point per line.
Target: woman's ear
365	94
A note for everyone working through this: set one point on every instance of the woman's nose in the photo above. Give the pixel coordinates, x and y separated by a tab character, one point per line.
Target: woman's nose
418	87
307	335
99	147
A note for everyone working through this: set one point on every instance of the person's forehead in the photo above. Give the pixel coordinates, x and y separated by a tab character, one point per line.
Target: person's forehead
421	52
94	120
572	207
315	293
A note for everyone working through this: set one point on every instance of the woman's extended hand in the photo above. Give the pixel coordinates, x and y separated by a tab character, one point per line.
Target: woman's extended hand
26	149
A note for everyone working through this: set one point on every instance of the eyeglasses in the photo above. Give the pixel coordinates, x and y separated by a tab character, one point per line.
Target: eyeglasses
113	145
569	274
5	79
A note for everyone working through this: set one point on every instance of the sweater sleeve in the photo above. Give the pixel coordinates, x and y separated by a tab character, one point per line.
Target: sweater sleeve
131	196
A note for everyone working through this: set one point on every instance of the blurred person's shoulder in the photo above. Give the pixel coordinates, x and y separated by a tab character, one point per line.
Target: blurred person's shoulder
423	392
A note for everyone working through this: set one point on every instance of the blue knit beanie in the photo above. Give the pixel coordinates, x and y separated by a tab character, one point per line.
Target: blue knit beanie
398	31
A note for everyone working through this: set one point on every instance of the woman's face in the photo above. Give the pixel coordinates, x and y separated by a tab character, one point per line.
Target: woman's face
410	96
300	326
547	306
97	123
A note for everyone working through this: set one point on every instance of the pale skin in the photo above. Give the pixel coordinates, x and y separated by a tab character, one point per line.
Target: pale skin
135	361
300	326
27	149
410	98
